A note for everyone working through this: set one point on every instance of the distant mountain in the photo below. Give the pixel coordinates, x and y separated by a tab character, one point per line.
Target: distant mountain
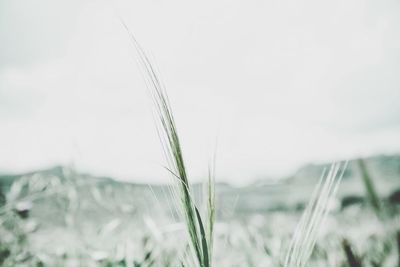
294	191
291	192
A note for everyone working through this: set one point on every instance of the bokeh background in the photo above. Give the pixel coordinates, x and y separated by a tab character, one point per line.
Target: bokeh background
275	84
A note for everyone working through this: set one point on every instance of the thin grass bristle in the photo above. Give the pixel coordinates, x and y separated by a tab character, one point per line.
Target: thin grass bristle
210	207
305	236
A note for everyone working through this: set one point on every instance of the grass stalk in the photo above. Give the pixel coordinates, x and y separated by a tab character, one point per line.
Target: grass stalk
305	235
372	195
168	134
210	207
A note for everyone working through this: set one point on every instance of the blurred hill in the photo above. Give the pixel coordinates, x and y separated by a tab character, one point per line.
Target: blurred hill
102	194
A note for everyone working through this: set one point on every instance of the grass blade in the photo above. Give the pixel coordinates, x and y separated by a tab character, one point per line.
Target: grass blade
206	261
372	195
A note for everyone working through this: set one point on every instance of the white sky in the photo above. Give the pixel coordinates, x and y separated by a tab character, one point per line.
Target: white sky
279	83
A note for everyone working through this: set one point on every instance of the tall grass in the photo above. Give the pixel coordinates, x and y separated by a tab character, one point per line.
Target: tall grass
200	230
201	239
305	235
200	235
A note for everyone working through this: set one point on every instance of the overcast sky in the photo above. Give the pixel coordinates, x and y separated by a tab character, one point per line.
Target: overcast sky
278	83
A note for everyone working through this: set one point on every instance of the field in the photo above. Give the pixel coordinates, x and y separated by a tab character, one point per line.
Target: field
58	217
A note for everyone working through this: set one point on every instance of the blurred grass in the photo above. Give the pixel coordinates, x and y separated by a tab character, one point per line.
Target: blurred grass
352	259
370	188
306	233
99	220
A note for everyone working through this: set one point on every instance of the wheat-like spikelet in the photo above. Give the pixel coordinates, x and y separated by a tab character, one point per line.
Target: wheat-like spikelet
168	135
